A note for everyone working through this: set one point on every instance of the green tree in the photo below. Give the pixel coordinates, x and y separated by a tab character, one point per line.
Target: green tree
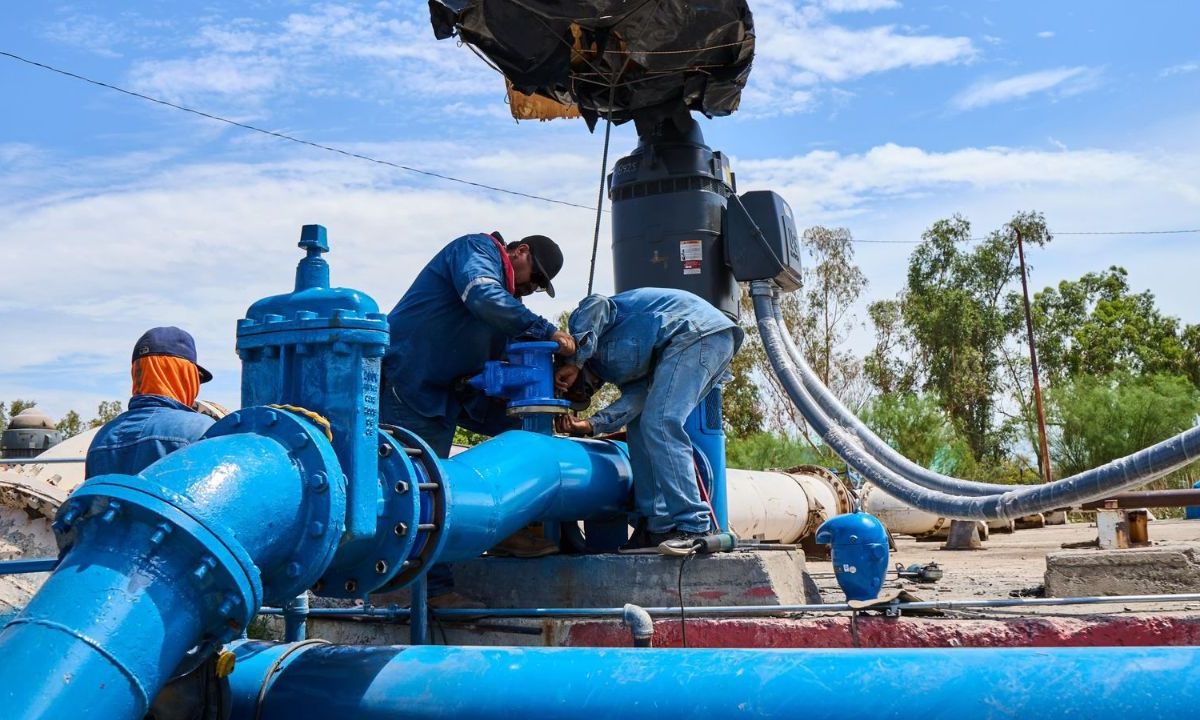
741	402
917	428
1098	419
891	366
1096	326
107	410
70	425
959	312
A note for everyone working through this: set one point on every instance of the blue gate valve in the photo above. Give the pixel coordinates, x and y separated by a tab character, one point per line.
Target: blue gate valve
860	553
526	379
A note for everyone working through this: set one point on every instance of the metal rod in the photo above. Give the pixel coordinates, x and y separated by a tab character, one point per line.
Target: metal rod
17	567
418	631
1033	365
1149	498
39	461
724	610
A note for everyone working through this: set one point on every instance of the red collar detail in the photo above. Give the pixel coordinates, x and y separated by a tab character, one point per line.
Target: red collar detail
510	282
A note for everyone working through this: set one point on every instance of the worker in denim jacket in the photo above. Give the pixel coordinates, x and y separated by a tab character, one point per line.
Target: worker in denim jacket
665	350
160	418
461	311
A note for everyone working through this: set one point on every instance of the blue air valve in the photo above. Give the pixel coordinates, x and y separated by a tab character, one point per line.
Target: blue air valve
860	553
527	380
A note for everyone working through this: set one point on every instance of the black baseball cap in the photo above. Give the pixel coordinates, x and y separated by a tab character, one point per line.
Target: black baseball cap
170	341
547	258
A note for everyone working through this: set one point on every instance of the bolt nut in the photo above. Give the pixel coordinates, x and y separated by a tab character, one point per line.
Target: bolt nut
271	417
401	529
294	569
160	534
385	449
114	508
381	566
351	586
401	487
316	528
318	481
299	440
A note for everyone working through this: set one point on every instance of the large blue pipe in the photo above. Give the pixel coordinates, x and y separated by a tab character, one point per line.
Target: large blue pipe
160	568
519	477
319	681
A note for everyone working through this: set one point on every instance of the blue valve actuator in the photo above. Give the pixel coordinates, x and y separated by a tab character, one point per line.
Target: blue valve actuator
860	553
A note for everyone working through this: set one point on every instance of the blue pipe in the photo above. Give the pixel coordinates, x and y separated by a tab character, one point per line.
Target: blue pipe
17	567
159	569
502	485
295	619
705	428
386	682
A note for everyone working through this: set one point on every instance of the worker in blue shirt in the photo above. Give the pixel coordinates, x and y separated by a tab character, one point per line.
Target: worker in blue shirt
665	350
461	311
160	418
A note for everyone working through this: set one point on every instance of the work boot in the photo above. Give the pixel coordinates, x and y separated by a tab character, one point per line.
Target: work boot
676	542
528	542
452	599
639	541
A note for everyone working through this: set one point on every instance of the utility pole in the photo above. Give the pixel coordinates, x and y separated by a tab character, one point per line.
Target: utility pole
1037	385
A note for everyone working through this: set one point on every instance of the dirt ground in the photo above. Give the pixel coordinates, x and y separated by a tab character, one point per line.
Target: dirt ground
1009	563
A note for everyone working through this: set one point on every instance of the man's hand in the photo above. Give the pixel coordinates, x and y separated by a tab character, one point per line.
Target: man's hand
566	343
565	377
571	425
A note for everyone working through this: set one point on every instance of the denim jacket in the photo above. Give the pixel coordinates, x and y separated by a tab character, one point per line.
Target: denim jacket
151	428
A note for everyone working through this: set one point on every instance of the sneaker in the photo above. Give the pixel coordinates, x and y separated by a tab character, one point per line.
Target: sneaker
454	600
525	543
676	542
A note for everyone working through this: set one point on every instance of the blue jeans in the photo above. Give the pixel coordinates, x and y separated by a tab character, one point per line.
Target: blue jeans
664	472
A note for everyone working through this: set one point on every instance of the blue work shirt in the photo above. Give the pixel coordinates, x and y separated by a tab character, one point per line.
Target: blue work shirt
457	315
621	337
151	428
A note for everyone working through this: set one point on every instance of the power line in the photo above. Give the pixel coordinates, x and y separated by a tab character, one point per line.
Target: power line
292	138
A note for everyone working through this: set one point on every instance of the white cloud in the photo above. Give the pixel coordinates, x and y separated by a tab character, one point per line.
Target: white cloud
1062	81
800	53
1046	34
1180	69
838	6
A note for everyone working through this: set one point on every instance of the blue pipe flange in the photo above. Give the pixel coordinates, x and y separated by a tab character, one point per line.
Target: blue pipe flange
164	529
434	497
362	567
324	495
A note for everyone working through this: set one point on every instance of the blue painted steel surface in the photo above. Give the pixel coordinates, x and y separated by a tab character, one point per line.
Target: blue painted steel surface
374	683
860	553
418	618
157	569
502	485
1193	512
319	348
706	430
17	567
526	378
295	618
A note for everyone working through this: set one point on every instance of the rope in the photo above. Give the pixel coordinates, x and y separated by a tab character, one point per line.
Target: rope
318	420
269	678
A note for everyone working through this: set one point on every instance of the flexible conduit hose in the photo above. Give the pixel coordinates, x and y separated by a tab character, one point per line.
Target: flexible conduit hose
1134	469
876	447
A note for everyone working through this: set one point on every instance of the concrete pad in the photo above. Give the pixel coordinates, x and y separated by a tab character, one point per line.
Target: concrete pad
1173	568
775	577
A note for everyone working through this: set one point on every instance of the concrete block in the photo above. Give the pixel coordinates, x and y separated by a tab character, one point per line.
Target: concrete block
1057	517
1173	568
774	577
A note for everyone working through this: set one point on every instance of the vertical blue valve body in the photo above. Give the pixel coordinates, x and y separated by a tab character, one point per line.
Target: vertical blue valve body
860	553
319	348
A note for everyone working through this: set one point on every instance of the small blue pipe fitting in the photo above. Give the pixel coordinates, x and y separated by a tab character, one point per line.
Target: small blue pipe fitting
860	553
526	379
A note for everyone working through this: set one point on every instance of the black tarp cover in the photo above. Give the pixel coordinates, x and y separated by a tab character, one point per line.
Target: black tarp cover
664	55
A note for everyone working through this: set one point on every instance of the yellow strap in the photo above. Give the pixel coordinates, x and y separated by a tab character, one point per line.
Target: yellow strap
317	419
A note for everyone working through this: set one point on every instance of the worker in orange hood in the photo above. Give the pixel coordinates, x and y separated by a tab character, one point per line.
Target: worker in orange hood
160	418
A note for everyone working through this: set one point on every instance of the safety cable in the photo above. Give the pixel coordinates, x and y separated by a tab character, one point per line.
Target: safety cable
292	138
682	604
612	93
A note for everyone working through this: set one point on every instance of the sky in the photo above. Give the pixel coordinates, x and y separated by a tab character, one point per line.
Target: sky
880	116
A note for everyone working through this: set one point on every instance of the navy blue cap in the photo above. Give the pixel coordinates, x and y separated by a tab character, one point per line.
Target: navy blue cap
169	341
